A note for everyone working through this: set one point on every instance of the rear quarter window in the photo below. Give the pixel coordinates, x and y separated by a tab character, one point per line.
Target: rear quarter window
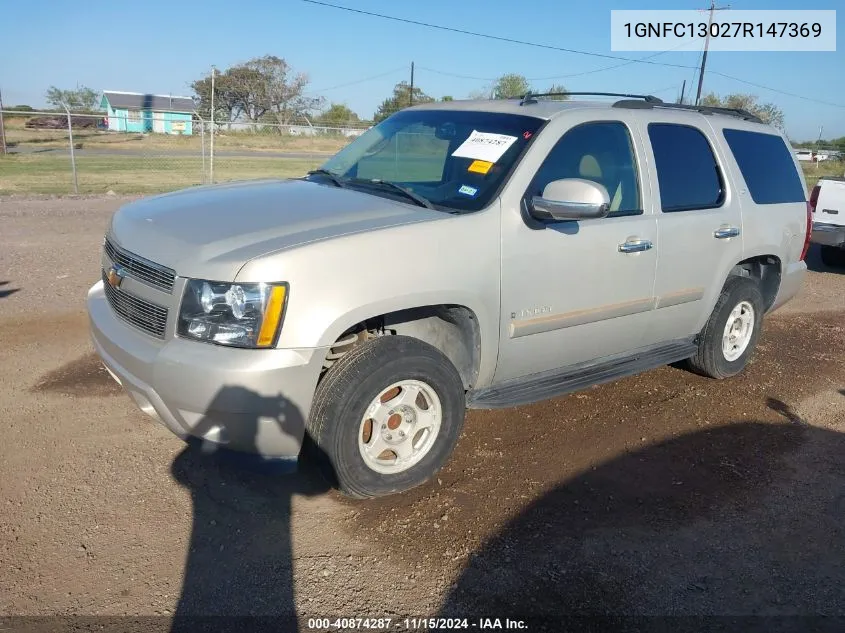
766	165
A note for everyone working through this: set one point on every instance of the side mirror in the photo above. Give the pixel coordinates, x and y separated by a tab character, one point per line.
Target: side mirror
571	199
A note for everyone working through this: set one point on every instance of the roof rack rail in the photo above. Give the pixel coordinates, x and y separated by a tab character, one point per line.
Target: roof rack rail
735	112
530	97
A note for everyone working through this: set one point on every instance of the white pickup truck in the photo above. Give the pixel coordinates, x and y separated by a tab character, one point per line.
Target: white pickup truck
827	202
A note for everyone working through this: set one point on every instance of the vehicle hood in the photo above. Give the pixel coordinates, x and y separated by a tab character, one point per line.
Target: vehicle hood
211	232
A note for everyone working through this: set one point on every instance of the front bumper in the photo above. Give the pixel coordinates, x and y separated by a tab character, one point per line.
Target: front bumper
828	234
254	401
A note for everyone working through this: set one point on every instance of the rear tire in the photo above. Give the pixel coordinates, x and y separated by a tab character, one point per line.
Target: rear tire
730	335
370	433
833	256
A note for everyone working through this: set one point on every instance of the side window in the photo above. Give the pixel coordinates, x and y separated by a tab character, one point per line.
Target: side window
766	165
687	172
601	152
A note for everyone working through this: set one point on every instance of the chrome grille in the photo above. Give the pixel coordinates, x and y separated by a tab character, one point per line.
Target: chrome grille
144	315
141	269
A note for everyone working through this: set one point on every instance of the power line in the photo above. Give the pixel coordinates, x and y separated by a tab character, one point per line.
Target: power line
567	76
783	92
698	67
657	92
628	60
492	37
357	81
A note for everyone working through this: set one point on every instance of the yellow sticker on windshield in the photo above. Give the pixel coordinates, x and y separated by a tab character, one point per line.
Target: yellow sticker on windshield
480	166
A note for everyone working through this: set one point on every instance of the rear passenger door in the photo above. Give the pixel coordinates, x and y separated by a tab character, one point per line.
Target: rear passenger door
699	225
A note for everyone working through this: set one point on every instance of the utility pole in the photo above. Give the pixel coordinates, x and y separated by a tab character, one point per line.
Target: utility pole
683	92
2	128
713	8
411	93
211	151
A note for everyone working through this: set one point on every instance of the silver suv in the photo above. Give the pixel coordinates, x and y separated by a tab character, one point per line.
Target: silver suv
460	254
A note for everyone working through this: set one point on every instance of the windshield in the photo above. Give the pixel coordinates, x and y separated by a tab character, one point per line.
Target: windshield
452	159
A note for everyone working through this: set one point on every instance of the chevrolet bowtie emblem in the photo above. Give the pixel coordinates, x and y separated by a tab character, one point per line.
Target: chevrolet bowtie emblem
115	275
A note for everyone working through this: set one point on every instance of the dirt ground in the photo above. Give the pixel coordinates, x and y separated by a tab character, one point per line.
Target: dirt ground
661	494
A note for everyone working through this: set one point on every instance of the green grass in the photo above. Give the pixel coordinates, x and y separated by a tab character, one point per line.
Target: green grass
260	141
133	174
46	173
812	172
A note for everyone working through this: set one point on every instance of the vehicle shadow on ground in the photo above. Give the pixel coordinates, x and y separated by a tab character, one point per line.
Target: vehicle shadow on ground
239	560
5	292
740	520
815	263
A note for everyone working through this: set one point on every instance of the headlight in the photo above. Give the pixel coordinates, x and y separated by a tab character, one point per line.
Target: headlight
240	315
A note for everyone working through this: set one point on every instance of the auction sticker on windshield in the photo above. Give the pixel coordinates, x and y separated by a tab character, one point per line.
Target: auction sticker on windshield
484	146
480	166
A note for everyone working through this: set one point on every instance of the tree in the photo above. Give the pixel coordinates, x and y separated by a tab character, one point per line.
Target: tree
82	98
269	86
769	112
447	98
260	89
558	88
510	85
337	115
228	105
482	93
401	99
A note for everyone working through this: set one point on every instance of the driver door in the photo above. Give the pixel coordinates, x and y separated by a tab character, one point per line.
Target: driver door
570	291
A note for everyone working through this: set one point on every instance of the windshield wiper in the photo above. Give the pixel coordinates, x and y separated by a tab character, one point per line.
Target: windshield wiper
325	172
416	198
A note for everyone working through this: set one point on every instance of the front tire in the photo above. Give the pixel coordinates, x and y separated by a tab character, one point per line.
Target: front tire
730	335
833	256
386	417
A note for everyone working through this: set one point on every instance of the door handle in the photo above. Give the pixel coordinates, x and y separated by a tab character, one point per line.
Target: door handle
724	232
635	246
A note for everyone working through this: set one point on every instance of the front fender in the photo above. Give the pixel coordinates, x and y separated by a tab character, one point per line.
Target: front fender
335	284
487	321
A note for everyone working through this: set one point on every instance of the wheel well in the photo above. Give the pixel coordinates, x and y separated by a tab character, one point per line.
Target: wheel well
453	329
766	269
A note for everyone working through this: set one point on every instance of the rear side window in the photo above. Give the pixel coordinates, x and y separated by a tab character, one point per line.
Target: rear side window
687	172
766	165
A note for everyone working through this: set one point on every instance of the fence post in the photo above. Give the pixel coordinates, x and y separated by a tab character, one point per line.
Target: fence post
202	144
2	127
211	148
72	157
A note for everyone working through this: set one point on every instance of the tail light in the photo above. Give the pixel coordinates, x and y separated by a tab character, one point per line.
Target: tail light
814	198
811	207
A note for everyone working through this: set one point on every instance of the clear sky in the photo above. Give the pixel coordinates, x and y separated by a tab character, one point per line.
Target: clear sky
160	46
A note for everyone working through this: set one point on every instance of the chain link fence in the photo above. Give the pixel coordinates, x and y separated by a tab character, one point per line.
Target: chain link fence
145	152
51	152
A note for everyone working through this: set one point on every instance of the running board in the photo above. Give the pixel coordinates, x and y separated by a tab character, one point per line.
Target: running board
558	382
